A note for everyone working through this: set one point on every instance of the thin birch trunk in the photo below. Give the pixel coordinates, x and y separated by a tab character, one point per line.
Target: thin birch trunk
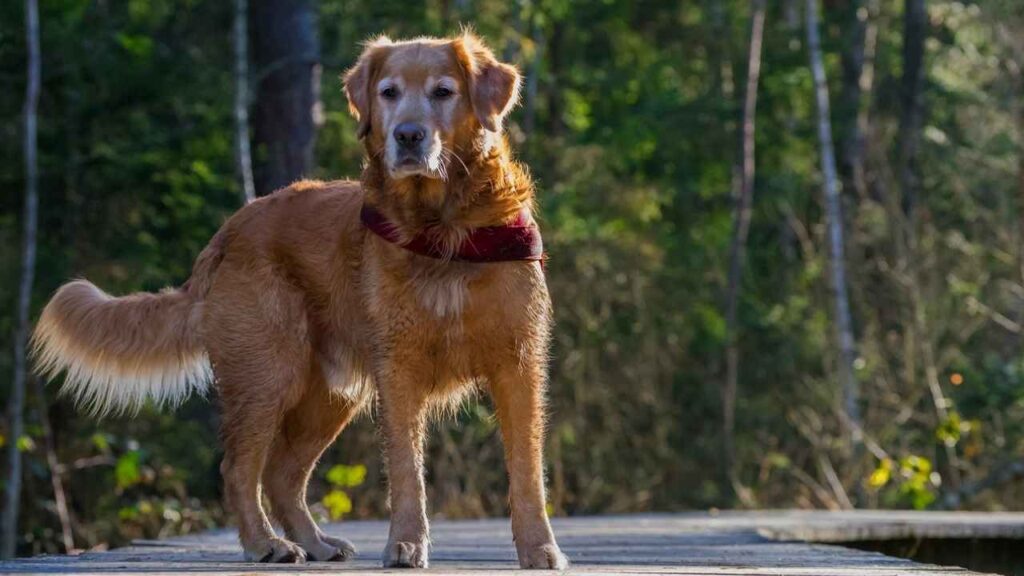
28	263
744	194
243	151
834	216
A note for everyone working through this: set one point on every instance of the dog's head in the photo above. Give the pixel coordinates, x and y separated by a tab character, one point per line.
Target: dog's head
419	101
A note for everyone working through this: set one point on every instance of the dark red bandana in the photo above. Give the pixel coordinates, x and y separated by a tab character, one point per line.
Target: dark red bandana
519	240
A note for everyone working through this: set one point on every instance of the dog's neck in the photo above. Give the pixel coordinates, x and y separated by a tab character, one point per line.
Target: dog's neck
484	187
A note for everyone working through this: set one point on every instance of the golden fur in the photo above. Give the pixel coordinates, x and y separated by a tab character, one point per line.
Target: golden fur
302	314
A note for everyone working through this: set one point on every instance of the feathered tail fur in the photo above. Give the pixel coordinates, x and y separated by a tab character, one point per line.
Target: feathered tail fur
120	353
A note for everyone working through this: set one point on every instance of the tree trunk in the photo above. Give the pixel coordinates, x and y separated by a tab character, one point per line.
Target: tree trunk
720	52
914	22
743	196
60	500
834	216
1015	67
554	88
1019	115
286	113
533	78
16	407
858	79
243	153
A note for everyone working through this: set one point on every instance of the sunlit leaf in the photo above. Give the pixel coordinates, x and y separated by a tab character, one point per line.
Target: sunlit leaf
880	477
950	429
126	470
344	476
337	503
100	442
26	444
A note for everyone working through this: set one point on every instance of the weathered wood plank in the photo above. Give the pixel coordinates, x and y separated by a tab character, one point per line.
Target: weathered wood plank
726	544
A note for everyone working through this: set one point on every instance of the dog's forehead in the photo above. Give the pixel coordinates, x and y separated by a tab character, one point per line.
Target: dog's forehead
417	61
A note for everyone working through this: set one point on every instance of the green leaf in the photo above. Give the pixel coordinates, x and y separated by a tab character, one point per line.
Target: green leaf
100	442
26	444
949	430
344	476
128	513
881	476
139	46
126	471
337	503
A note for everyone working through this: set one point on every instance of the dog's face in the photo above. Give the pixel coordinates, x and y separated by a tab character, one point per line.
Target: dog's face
419	101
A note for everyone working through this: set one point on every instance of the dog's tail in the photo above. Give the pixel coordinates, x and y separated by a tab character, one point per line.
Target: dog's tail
120	353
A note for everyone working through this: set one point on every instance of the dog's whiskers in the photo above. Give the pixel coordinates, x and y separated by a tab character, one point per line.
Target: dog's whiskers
451	153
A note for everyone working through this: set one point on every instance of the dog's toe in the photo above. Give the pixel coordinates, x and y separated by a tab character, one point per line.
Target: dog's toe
405	555
280	551
346	550
329	549
543	557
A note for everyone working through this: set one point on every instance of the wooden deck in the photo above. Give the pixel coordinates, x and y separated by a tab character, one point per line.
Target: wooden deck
726	544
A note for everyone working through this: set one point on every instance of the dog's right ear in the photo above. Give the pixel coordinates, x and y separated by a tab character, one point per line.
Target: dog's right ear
357	82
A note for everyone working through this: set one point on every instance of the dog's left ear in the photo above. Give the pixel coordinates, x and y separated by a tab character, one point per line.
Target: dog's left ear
493	86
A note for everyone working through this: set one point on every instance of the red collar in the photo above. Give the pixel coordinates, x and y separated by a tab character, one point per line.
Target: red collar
518	240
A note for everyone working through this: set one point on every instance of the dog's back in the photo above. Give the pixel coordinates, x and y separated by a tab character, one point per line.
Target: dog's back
121	352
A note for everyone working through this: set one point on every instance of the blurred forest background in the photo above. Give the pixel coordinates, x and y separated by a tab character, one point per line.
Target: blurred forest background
732	330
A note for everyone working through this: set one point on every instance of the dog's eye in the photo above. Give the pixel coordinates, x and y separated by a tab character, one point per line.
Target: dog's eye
442	92
389	93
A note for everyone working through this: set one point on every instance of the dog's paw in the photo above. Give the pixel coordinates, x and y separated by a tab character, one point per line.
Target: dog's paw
405	555
543	557
277	551
331	549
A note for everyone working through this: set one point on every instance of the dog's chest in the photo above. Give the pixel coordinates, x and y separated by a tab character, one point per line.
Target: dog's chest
444	295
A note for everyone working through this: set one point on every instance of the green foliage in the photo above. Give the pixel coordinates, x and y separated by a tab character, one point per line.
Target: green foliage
341	477
882	474
919	481
337	503
126	471
910	481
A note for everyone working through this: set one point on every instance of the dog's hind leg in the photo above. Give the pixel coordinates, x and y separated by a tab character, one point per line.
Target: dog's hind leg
257	337
306	431
248	435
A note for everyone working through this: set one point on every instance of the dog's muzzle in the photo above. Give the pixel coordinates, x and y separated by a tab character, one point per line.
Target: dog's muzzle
409	139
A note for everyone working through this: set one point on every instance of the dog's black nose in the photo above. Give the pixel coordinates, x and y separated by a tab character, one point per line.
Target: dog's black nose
409	134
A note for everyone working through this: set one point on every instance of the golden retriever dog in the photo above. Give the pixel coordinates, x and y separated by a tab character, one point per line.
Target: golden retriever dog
301	312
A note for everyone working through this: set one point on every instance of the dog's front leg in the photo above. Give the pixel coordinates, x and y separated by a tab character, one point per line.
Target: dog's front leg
403	401
518	392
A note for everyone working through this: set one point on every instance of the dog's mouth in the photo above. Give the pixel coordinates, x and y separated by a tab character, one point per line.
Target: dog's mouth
411	165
